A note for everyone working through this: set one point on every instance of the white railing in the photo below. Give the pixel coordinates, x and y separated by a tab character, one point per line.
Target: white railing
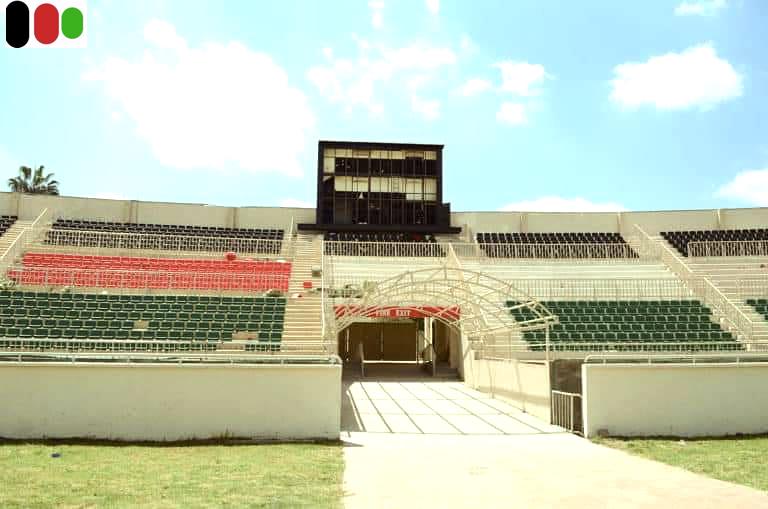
705	291
101	240
157	280
491	253
385	249
568	251
566	411
505	350
41	224
683	357
128	346
752	288
14	251
24	239
728	248
603	289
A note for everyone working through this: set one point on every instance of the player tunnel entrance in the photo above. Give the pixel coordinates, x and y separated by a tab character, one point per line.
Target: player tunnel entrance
402	340
428	317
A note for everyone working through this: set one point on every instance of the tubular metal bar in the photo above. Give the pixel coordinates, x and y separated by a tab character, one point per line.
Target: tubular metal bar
169	358
490	253
503	349
151	241
697	358
604	289
704	290
176	347
564	410
723	248
550	251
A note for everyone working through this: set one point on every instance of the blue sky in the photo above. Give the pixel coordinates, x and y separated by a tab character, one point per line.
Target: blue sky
541	104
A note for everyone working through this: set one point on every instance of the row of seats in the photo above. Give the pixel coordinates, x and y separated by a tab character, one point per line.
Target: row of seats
382	244
584	325
53	269
58	260
139	318
555	245
162	242
550	238
169	229
6	222
173	299
141	279
163	237
680	240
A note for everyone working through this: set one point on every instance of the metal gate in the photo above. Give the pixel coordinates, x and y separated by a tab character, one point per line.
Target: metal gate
566	411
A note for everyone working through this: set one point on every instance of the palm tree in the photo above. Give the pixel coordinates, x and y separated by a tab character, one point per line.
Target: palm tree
33	183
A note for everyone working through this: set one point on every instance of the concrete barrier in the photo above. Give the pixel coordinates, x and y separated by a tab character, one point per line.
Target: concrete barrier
161	402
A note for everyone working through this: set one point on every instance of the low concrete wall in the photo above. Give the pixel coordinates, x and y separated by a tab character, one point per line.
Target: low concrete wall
523	384
169	402
675	400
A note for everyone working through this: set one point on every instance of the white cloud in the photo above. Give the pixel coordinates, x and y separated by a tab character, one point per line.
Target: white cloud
521	78
433	6
354	82
427	108
163	35
212	107
696	77
560	204
512	114
750	186
294	203
700	8
377	16
474	86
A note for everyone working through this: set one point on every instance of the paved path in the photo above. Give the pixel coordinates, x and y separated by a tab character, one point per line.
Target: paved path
440	444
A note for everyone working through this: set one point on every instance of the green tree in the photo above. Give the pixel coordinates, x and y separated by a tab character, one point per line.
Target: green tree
33	182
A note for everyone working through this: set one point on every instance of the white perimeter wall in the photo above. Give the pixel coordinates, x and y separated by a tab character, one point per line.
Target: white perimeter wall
525	385
169	402
27	207
675	400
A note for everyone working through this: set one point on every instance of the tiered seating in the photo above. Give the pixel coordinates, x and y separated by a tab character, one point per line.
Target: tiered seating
76	321
6	222
555	245
584	325
53	269
164	236
680	240
382	244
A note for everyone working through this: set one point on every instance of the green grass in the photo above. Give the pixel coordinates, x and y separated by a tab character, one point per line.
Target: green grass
738	459
117	475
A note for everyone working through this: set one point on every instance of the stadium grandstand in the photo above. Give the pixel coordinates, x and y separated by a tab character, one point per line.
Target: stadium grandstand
381	277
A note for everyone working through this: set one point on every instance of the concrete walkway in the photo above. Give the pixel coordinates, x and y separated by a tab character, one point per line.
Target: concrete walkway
440	444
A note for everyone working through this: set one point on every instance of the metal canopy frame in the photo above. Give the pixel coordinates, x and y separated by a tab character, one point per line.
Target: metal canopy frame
481	300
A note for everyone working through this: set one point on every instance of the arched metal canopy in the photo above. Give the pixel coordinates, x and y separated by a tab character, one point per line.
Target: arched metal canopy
472	301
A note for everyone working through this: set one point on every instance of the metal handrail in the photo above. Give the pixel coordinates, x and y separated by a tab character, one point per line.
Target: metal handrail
693	358
563	409
512	349
723	248
490	253
705	290
604	288
162	242
213	357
